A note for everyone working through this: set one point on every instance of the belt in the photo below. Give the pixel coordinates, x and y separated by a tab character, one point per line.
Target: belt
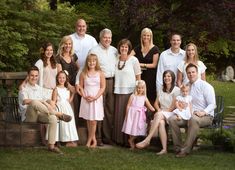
109	78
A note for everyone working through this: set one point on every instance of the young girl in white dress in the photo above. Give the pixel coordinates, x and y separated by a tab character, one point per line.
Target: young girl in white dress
135	120
63	98
92	86
183	104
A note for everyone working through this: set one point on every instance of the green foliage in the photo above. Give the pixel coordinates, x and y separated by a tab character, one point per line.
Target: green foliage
98	17
223	138
209	24
25	25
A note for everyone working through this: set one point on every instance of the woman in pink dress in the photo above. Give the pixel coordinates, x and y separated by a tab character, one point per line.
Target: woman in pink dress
92	86
135	120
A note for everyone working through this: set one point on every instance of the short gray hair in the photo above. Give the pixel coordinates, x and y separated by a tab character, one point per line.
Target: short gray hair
104	31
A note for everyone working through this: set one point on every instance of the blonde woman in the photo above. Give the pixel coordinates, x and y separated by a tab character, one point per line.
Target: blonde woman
147	53
67	58
191	56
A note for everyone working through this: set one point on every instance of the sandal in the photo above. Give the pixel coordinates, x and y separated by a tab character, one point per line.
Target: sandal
65	117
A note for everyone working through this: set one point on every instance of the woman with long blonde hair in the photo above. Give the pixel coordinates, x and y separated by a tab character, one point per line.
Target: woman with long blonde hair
191	56
147	53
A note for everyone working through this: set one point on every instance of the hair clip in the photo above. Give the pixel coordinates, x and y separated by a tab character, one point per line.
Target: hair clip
66	72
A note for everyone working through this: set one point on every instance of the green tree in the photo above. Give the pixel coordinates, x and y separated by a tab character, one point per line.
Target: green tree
25	25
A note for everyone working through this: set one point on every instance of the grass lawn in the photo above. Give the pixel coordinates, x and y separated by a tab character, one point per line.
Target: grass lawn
226	89
113	158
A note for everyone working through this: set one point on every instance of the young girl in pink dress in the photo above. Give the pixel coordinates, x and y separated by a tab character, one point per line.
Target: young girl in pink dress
92	86
135	120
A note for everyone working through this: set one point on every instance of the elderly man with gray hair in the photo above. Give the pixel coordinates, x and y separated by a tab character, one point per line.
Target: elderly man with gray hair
107	56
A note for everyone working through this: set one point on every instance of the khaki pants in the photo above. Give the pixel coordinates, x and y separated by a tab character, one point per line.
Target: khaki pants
38	112
108	122
194	125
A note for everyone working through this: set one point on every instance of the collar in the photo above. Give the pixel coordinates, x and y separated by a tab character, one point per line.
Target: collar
79	37
103	46
181	52
196	82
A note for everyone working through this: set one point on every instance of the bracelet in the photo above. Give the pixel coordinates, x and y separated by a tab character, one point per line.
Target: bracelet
145	65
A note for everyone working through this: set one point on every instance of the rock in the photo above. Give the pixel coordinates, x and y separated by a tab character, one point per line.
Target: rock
228	74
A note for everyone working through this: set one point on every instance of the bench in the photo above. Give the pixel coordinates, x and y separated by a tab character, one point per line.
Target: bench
14	132
218	116
218	113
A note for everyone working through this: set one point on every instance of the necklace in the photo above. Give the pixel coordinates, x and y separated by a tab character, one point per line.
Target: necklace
120	67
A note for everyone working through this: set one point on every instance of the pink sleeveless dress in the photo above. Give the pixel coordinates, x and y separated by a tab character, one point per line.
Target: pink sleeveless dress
135	121
92	110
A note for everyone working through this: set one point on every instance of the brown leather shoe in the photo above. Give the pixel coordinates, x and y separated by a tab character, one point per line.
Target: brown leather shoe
181	155
65	117
100	143
55	150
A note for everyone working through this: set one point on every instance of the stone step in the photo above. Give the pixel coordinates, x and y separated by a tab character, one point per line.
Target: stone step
15	134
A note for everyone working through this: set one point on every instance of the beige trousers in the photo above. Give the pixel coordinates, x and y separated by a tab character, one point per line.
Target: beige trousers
194	125
38	112
108	122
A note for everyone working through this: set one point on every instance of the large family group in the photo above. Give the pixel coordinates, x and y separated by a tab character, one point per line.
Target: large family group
115	90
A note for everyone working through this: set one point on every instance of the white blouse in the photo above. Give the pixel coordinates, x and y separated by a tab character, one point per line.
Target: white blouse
166	99
125	78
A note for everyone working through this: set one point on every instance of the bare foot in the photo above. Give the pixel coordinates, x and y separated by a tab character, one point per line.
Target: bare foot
94	144
71	144
131	143
142	144
162	152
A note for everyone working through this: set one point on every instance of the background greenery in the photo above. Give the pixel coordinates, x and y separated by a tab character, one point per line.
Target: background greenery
25	24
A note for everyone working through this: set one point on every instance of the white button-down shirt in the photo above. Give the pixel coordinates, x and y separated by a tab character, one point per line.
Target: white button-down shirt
81	46
107	58
168	61
203	97
29	92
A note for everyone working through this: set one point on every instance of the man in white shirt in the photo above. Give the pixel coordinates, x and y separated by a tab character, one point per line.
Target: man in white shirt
170	59
82	42
203	105
107	56
35	108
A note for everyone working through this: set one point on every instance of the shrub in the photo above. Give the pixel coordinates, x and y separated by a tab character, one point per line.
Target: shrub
221	138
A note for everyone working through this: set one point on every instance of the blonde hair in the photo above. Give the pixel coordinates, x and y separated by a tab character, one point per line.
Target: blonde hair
184	86
89	57
146	30
196	58
60	51
140	83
